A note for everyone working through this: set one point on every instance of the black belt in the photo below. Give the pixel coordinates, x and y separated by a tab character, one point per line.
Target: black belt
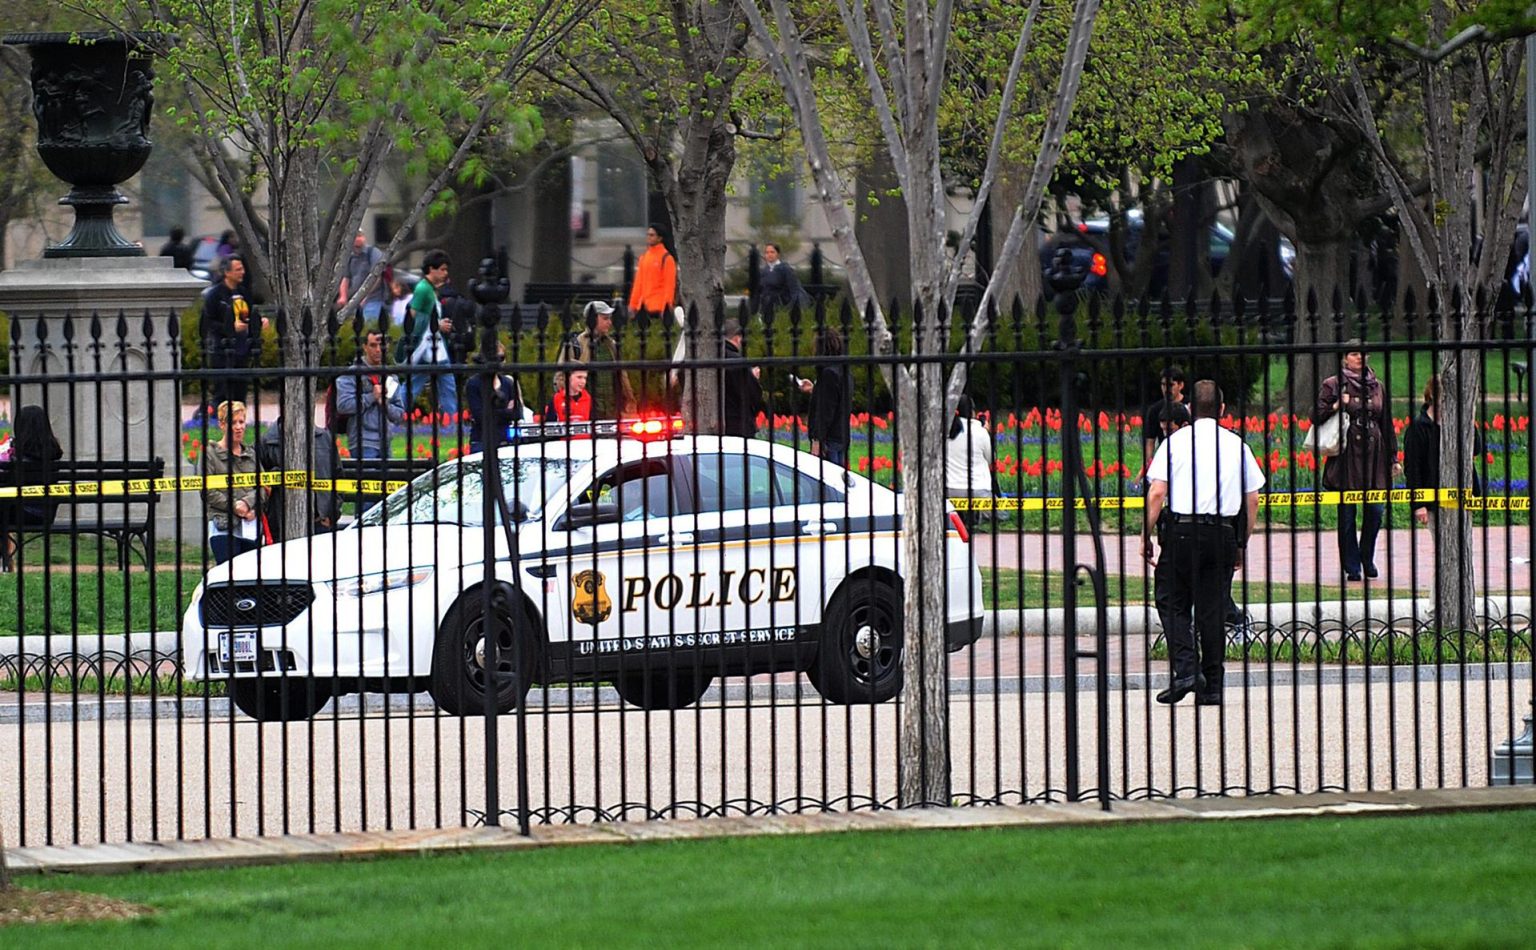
1177	518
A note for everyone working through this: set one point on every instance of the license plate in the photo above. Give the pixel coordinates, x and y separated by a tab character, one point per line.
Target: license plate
244	646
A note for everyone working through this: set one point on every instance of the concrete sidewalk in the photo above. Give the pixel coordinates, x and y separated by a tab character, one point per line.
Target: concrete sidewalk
1501	557
231	852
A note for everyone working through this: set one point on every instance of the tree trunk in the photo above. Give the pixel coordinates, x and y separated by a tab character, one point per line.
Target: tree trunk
697	198
1189	247
882	232
1455	592
551	251
295	231
924	743
1320	268
1023	282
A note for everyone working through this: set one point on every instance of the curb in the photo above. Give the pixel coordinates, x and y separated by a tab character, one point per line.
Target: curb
244	852
800	693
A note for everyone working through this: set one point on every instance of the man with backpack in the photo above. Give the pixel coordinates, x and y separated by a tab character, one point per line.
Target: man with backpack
425	341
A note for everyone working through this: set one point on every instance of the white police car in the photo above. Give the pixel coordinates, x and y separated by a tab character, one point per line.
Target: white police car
654	565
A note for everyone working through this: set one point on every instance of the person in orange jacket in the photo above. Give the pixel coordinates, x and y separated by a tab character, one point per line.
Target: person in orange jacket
655	287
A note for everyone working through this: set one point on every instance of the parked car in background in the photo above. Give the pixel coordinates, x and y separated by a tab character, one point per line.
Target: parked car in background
1080	255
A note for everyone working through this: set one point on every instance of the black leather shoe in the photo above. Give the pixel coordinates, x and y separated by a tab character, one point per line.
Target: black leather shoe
1370	571
1177	690
1351	577
1207	699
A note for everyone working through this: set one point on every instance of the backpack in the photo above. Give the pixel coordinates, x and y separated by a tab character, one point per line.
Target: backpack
335	419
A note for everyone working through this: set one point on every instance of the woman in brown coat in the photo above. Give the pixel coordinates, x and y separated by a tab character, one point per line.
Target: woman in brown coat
1369	458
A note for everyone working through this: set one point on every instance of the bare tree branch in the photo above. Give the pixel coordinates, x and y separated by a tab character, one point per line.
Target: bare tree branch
1045	164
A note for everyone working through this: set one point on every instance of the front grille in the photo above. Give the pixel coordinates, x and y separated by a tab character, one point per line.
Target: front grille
255	605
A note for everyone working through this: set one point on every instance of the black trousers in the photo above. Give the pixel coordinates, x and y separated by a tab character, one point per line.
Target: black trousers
1194	586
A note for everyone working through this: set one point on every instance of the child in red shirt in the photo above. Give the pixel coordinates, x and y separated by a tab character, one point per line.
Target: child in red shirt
573	403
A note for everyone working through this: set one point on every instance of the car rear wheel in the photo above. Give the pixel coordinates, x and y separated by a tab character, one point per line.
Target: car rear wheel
859	660
460	678
280	699
662	688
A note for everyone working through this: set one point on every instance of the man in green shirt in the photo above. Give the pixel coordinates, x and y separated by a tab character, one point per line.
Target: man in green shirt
422	343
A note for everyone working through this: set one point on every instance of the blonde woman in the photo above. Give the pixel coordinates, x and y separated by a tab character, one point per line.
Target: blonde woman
233	526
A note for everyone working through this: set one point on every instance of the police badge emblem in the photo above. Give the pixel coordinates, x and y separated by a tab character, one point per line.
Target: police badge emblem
589	597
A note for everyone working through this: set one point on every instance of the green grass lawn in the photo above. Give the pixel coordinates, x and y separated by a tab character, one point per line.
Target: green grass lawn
1016	588
1432	880
1406	372
92	602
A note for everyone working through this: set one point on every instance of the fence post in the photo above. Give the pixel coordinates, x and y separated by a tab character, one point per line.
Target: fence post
1071	464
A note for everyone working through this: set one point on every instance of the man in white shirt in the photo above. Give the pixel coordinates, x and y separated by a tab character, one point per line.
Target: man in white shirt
1208	481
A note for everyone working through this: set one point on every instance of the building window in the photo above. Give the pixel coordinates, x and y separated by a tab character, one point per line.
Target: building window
163	194
621	192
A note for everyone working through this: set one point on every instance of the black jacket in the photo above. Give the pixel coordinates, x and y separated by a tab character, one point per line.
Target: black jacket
1421	457
779	286
323	463
225	347
180	253
507	391
831	404
741	395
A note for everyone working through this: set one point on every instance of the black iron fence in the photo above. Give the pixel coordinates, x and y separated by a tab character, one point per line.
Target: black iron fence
662	624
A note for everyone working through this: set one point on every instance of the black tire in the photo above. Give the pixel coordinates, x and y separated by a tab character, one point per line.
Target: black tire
664	688
859	659
459	679
280	698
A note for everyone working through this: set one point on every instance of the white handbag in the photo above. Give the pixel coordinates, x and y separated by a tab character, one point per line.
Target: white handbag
1328	437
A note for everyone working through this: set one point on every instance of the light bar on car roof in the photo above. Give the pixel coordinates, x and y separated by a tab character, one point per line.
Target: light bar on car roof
650	428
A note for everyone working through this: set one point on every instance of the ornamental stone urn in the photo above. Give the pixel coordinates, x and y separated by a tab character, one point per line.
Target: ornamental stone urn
92	94
94	332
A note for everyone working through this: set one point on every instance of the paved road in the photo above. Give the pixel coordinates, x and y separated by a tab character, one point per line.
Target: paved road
114	779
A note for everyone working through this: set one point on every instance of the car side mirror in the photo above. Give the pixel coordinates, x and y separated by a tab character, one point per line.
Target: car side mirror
588	515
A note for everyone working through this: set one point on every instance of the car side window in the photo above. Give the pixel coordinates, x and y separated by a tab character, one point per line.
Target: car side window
641	490
733	482
794	487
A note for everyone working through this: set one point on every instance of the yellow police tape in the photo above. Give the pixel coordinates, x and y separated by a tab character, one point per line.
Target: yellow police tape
302	480
1449	497
297	479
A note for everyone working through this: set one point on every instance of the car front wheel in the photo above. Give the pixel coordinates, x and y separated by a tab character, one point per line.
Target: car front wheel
460	677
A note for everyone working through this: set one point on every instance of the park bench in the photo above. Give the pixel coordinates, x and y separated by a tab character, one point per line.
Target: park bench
558	297
114	499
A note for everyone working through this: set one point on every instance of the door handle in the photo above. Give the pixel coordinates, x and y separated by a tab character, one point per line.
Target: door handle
672	540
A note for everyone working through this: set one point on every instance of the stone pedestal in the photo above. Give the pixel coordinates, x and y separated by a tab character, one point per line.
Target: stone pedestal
91	341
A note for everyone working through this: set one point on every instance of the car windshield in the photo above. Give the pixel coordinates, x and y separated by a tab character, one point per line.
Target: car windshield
453	492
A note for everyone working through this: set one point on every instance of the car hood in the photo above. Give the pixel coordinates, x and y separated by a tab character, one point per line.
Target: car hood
358	551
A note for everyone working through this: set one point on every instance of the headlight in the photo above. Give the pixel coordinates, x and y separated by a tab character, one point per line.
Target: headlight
369	584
